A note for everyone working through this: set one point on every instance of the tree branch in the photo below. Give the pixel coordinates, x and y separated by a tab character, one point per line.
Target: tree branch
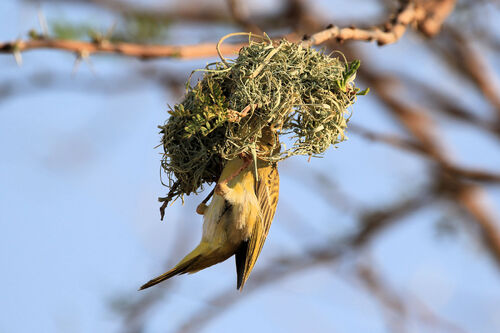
469	197
126	49
428	15
416	147
411	12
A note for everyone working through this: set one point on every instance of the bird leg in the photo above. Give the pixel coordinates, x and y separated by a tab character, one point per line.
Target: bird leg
221	188
202	207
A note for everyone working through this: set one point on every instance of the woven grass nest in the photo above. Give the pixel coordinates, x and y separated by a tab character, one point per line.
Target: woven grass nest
300	92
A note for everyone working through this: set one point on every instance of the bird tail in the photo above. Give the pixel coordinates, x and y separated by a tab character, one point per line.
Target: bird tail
247	255
201	257
181	268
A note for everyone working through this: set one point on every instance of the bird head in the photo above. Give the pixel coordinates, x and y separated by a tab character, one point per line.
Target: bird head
269	142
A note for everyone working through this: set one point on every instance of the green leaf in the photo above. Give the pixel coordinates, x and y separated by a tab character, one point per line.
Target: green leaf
363	92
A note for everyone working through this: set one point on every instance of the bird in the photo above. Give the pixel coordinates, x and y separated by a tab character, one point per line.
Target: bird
238	218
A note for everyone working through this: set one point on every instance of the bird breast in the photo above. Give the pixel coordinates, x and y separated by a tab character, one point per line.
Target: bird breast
231	219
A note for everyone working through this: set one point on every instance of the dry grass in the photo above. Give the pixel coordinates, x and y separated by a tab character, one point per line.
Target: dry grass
298	91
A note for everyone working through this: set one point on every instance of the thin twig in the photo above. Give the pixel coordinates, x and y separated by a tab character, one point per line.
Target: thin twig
401	306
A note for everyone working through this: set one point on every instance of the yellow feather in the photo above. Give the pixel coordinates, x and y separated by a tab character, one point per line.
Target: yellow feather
228	221
267	191
237	221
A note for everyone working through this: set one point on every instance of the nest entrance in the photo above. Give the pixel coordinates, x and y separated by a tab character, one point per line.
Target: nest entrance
300	92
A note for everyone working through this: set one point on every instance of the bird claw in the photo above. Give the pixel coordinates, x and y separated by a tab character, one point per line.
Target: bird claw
201	208
221	189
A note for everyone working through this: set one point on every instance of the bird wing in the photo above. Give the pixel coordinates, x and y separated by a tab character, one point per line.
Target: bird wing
267	191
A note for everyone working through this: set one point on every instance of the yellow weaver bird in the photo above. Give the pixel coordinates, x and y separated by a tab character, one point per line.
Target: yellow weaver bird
237	220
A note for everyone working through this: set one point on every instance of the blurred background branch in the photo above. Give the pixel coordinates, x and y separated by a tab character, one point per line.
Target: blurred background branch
428	15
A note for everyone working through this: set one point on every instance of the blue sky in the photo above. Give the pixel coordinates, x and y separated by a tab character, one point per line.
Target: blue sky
79	181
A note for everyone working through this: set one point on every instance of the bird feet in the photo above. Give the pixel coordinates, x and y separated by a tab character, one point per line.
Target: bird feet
222	188
201	208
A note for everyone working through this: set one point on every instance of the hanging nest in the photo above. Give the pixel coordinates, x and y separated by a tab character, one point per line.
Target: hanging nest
298	91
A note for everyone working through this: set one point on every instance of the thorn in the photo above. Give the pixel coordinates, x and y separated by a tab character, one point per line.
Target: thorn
306	37
16	52
18	58
85	56
329	26
110	31
90	64
43	23
78	60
